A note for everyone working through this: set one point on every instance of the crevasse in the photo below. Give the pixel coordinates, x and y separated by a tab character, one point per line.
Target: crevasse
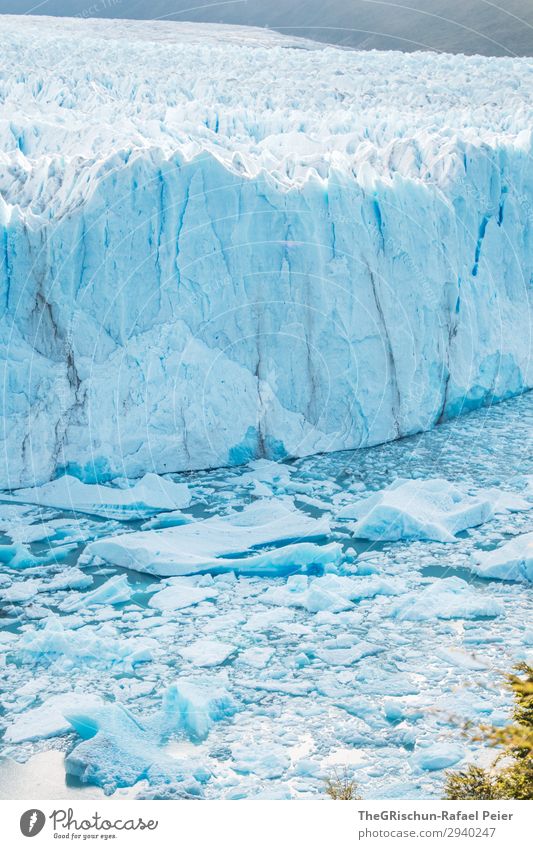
220	244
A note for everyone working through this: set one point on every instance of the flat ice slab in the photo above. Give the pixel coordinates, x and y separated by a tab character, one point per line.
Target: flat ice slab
207	546
417	509
151	494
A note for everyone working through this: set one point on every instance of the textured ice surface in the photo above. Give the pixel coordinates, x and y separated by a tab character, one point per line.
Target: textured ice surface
195	705
430	509
221	244
120	749
450	598
513	561
232	685
207	546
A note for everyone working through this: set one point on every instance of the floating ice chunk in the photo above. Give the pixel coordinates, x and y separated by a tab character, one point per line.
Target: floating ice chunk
98	646
417	509
69	579
179	595
505	502
195	706
16	556
396	710
48	720
170	519
266	472
114	591
333	593
207	652
463	659
268	761
511	562
280	561
348	656
256	656
151	494
119	749
438	756
446	598
21	591
205	546
266	620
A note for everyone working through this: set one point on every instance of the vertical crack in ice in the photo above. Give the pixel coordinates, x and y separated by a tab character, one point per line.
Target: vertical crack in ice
392	376
482	230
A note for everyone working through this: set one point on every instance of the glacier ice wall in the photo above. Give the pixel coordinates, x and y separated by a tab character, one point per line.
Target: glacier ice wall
219	244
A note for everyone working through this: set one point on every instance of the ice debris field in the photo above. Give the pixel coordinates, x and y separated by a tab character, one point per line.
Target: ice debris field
245	633
219	244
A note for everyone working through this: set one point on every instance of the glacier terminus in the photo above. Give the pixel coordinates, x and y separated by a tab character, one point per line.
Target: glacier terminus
202	270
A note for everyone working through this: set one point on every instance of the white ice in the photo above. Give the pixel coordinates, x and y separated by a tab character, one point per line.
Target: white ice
512	561
417	509
206	546
151	494
331	254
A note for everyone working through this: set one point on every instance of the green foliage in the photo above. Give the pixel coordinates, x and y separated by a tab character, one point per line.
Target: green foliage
511	777
341	787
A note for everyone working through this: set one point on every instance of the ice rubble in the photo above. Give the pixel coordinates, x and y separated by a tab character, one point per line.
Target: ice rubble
149	495
330	592
368	660
92	645
417	509
207	546
202	273
513	561
448	598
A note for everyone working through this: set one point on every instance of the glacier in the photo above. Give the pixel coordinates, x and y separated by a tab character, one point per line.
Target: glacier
220	244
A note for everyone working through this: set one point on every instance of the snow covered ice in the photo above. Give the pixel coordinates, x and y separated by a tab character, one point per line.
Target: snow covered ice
232	682
203	273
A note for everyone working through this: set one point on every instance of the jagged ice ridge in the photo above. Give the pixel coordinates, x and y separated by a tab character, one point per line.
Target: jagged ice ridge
219	243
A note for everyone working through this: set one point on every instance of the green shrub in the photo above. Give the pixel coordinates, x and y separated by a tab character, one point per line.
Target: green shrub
511	776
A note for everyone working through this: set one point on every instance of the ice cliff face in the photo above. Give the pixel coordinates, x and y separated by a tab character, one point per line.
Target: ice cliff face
219	244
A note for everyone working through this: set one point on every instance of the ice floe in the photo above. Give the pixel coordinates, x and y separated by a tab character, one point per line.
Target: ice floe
207	546
85	644
417	509
206	652
149	495
48	720
119	749
447	598
195	705
330	592
365	654
511	562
